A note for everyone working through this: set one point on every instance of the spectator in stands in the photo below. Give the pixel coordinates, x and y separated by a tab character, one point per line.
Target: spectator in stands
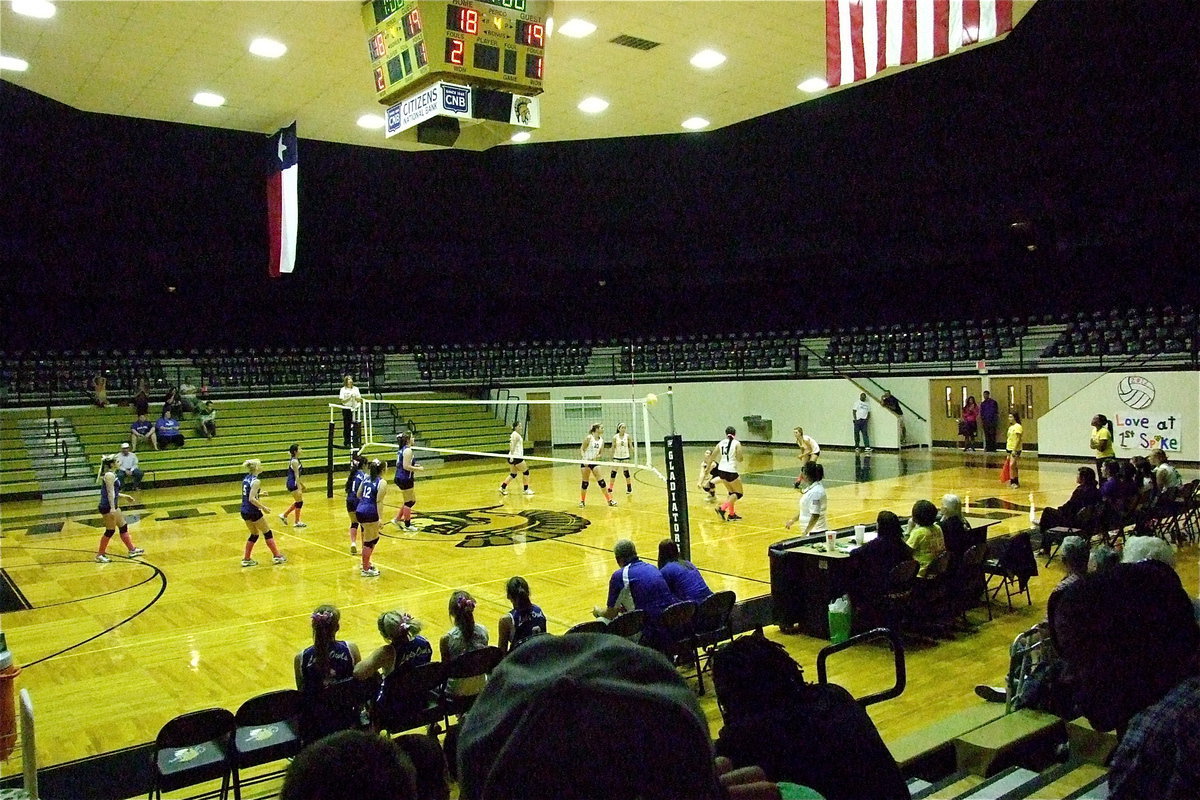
889	401
924	536
167	431
1137	673
173	403
141	400
1165	474
1013	445
636	584
813	513
957	534
141	430
100	390
989	418
1102	442
403	650
683	578
465	636
816	736
350	764
206	422
328	659
1086	494
350	397
187	396
968	423
524	621
635	728
127	468
872	563
860	413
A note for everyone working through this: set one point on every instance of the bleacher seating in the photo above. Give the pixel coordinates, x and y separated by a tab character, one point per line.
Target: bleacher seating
925	342
1132	332
487	363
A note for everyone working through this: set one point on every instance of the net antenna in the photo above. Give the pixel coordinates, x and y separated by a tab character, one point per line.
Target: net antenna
570	421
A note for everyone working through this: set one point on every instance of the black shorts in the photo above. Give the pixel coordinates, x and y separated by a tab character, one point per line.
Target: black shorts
588	467
368	516
514	461
253	515
728	477
405	484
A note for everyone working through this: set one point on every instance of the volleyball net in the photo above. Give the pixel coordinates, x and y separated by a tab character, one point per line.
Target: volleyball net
480	429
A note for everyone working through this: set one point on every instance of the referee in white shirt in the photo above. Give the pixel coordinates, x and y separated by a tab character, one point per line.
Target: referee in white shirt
350	397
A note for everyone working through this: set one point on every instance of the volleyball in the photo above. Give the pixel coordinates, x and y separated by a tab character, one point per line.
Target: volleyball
651	399
1136	392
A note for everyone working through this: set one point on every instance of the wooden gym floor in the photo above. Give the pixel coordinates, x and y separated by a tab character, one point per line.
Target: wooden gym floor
112	651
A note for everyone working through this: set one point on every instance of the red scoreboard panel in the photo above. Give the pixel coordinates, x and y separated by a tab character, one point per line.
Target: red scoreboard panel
499	44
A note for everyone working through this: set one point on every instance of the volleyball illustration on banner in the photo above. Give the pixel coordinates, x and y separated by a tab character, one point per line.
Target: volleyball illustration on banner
1136	392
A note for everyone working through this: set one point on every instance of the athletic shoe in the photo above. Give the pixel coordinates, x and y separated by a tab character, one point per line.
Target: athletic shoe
370	572
282	519
993	694
721	514
301	524
733	517
353	549
249	562
612	502
628	490
102	559
410	527
869	449
504	490
528	492
135	552
582	504
280	559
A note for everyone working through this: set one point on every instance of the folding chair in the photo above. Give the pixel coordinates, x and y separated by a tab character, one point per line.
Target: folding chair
193	748
268	729
411	698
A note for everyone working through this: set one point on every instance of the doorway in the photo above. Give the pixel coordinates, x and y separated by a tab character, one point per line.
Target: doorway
539	433
946	399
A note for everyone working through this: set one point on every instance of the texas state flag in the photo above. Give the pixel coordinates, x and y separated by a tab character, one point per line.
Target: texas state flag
283	212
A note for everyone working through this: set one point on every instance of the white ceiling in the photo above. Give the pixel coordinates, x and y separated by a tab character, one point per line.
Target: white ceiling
147	60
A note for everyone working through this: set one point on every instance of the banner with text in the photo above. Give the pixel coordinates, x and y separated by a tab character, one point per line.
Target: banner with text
1137	430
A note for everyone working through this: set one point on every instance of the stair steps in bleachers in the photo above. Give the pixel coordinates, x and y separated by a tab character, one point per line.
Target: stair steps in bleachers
72	475
917	785
949	787
1096	789
1010	784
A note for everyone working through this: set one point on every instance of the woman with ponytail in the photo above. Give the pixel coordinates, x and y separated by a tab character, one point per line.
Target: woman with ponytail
404	649
524	621
329	659
110	511
466	635
728	455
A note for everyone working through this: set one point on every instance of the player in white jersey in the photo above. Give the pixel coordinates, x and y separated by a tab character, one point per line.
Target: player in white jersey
809	451
708	475
516	459
728	453
589	454
622	445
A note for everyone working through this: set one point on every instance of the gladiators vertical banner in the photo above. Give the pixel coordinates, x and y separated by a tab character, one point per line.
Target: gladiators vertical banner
677	511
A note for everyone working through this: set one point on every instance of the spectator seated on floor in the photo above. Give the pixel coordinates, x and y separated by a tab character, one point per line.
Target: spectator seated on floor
167	431
1085	495
634	728
872	563
814	735
350	764
1131	638
683	578
142	430
127	468
206	421
637	585
924	535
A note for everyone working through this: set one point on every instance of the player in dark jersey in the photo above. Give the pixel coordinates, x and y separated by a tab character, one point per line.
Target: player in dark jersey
110	511
255	515
295	486
371	491
406	466
353	479
524	621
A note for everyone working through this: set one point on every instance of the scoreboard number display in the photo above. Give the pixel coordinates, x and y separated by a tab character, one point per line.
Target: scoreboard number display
498	44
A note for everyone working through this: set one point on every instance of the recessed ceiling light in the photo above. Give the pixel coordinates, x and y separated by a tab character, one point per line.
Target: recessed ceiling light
42	9
813	85
208	99
707	59
577	28
593	105
267	48
14	64
521	136
695	123
371	122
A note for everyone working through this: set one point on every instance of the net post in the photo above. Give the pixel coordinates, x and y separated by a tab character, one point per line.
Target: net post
677	509
671	408
329	460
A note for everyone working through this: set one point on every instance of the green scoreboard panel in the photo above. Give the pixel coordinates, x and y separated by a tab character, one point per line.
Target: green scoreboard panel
499	44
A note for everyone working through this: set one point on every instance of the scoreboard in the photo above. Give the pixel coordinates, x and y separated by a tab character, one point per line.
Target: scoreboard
498	44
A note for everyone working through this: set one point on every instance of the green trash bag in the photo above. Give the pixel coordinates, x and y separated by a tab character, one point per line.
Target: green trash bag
839	620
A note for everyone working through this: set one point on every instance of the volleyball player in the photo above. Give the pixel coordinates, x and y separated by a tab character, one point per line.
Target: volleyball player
353	479
406	466
622	444
729	457
295	486
255	515
809	451
589	454
516	459
110	511
371	491
708	475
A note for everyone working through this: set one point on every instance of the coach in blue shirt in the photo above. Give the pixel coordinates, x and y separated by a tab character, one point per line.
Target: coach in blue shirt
647	589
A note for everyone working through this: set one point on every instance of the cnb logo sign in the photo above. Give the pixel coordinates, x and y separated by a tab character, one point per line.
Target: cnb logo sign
1136	392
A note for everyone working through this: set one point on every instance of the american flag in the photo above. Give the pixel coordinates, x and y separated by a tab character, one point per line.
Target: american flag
862	37
283	213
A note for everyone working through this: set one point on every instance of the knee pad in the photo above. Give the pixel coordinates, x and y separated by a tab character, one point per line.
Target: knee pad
738	495
626	474
409	503
601	483
371	543
583	485
512	475
299	504
252	538
268	536
612	476
525	473
353	526
109	534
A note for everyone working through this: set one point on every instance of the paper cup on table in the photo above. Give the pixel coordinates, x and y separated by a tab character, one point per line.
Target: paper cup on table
860	534
830	541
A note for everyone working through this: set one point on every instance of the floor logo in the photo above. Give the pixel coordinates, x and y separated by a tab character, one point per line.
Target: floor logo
491	527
